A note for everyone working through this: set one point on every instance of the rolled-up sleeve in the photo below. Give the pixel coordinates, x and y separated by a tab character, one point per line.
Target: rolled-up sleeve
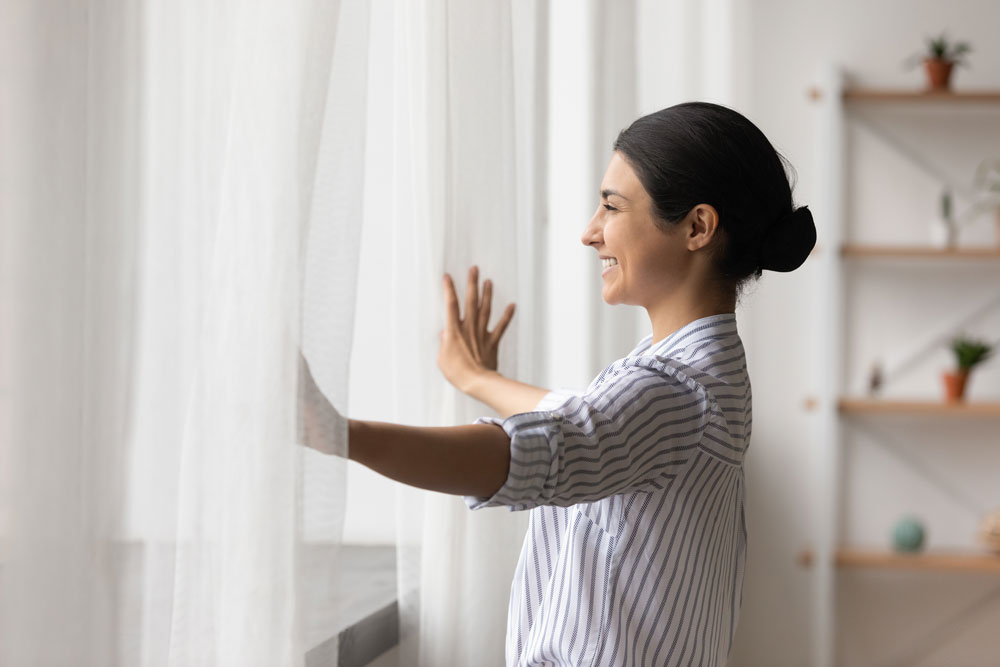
630	433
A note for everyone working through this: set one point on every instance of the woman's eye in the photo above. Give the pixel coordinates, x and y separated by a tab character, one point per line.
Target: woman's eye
610	207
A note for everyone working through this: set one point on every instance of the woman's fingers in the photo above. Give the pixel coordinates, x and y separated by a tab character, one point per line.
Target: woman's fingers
505	319
484	307
472	297
477	310
450	302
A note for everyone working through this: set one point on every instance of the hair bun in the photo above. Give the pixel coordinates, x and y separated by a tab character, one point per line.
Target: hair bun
788	242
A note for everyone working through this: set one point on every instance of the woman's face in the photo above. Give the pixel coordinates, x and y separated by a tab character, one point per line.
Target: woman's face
646	263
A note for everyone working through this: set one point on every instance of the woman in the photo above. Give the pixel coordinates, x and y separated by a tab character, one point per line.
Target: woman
636	544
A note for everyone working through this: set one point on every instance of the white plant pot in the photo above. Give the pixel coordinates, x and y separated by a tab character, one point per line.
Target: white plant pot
943	233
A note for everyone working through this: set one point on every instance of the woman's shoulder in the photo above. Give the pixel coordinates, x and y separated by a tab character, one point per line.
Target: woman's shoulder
716	357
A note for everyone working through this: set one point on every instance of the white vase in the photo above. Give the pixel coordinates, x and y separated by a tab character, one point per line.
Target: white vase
943	233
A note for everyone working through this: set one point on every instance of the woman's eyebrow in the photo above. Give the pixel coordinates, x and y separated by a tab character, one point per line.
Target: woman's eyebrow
605	193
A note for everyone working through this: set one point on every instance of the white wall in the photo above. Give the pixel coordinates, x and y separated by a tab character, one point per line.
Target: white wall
882	615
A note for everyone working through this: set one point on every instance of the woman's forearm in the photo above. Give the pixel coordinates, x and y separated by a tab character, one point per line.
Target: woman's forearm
507	397
471	459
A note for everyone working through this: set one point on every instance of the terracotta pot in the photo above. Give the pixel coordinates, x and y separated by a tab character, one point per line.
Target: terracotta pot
954	385
938	73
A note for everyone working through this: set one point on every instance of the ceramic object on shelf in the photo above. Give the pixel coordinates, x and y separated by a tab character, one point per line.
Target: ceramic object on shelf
954	385
875	379
908	535
943	234
938	73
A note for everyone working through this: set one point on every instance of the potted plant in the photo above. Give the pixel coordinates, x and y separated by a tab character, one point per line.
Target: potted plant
944	230
968	354
939	58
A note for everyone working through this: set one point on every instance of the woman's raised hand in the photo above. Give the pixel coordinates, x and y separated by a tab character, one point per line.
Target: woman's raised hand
468	348
321	426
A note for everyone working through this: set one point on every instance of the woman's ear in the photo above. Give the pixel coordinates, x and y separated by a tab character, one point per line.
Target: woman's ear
702	223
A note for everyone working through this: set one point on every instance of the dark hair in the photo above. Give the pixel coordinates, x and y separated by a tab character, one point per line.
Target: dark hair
703	153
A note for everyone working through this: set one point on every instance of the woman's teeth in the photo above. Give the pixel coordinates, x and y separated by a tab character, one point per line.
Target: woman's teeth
605	263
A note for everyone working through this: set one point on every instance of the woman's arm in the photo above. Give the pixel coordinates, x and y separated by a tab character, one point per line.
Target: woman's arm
468	460
507	397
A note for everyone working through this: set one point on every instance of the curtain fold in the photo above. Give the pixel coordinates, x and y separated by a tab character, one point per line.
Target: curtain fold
468	183
180	209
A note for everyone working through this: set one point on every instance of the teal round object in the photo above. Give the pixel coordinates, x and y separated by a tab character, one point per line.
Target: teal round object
908	535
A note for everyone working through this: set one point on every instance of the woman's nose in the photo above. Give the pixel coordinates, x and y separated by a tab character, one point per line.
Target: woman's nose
592	232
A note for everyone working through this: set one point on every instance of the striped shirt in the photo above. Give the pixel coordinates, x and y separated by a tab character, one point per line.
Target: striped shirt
636	543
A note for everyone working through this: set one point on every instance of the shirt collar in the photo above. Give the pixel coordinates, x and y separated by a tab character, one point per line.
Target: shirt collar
713	326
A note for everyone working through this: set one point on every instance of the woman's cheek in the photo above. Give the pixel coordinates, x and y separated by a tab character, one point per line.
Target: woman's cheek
612	238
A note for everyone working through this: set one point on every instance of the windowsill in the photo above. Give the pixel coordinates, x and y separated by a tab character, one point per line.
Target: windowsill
361	593
364	598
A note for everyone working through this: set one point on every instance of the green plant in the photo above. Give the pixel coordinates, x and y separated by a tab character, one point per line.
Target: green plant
941	48
969	352
946	205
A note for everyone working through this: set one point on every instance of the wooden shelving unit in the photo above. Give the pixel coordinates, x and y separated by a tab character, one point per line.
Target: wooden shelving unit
876	406
831	407
853	250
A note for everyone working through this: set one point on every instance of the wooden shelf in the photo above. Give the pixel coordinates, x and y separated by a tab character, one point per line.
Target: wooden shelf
921	96
919	252
910	407
955	561
942	561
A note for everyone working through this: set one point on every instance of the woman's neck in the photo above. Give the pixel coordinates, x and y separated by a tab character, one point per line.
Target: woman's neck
669	316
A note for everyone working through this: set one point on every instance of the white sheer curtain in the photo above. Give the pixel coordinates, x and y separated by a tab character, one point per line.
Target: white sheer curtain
464	185
181	208
179	215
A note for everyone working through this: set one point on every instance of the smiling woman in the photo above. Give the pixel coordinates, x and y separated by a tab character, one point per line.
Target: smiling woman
647	265
636	546
673	188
